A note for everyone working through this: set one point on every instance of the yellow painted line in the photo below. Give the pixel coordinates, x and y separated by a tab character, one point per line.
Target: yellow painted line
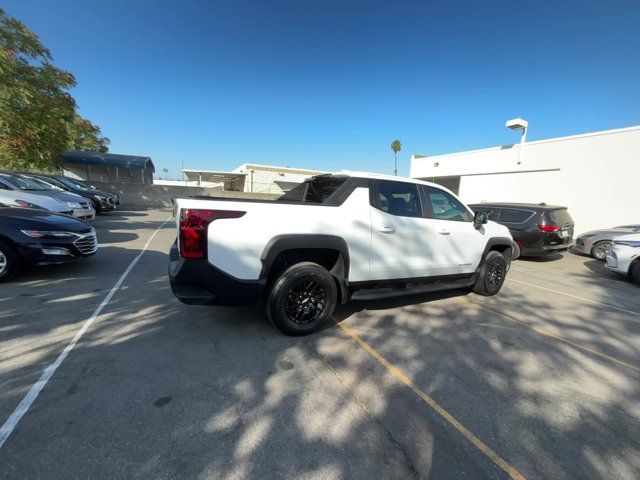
393	370
554	336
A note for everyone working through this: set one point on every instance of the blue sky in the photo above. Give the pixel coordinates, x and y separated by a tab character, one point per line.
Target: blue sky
329	84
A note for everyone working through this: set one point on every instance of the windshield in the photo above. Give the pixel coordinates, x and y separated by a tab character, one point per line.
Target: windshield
54	182
45	185
23	183
75	183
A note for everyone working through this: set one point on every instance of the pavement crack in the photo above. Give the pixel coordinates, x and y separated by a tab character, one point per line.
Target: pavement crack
410	466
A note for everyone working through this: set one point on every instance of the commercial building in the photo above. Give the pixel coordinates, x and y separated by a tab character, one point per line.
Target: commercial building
596	175
107	167
251	178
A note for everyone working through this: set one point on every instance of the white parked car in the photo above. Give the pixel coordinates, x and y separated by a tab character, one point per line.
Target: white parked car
333	238
16	198
624	256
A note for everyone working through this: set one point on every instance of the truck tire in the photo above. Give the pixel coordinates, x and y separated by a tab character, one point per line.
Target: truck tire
303	297
492	274
9	261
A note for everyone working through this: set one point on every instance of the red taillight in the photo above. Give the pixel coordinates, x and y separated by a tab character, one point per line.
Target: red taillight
193	229
549	228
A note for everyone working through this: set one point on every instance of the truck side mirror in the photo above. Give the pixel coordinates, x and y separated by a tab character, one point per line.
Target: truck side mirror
480	218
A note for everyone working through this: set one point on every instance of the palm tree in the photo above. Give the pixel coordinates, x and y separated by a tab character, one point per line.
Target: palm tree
396	146
165	170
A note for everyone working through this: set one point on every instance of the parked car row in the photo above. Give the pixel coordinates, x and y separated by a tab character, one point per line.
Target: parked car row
54	193
597	243
541	229
43	220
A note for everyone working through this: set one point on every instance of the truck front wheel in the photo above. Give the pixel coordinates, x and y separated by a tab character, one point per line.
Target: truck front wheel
492	274
302	299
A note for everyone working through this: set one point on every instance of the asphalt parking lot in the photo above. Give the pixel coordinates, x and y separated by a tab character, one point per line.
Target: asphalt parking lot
541	381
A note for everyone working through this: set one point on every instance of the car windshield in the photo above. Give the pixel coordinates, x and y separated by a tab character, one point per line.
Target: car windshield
23	183
75	184
54	182
45	185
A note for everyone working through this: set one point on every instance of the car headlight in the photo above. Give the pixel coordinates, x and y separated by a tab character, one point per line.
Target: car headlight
102	198
48	234
74	205
24	204
628	243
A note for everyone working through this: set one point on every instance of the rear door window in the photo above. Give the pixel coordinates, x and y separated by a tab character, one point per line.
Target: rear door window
514	215
397	198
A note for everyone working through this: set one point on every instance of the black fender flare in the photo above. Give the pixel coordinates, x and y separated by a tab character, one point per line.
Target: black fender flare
282	243
497	242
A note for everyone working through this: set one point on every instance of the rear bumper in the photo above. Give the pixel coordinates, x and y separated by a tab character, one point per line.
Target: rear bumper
197	282
544	250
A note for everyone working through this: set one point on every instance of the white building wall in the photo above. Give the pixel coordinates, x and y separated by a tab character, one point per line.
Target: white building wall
182	183
597	176
262	178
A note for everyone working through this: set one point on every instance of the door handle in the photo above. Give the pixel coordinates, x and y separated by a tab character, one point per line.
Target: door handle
387	229
444	232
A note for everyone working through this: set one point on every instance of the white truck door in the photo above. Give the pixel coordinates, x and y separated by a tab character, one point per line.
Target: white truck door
402	239
458	245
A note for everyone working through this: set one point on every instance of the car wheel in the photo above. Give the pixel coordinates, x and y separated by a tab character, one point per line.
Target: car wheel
302	299
600	249
493	273
9	261
635	273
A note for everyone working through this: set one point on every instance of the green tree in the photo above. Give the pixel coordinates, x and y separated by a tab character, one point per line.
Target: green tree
38	117
396	146
165	170
85	135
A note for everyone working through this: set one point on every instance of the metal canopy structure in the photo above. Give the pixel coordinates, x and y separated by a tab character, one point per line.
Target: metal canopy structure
107	159
232	181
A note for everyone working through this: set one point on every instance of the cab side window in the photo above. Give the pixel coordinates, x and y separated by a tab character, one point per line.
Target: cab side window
397	198
445	206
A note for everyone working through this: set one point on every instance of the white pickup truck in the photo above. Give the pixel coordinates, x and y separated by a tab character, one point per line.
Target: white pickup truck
333	238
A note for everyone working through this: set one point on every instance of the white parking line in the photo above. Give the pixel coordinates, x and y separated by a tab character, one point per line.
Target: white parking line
32	394
577	297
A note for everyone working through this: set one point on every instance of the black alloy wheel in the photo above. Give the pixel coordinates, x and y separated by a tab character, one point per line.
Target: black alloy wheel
306	301
492	274
302	298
